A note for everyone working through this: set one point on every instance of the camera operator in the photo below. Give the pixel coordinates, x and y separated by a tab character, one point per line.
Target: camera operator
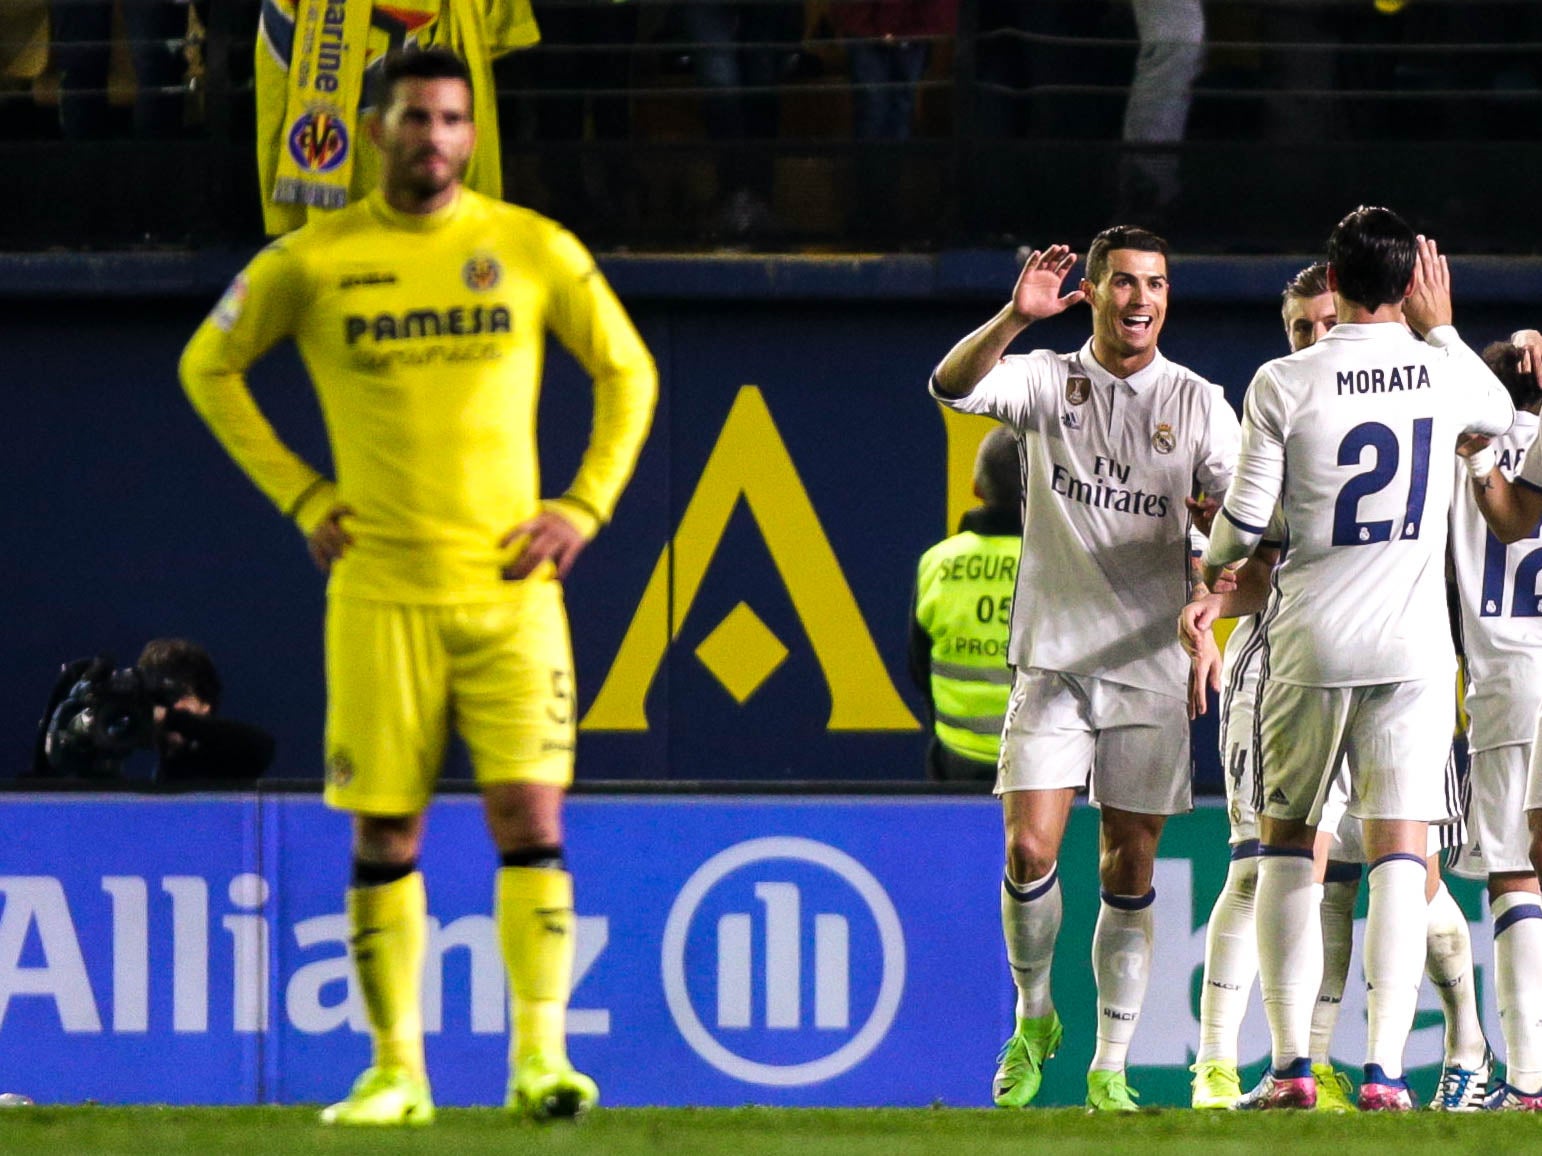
167	702
191	741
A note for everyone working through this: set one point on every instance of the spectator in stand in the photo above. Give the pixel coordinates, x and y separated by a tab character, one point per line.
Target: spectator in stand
574	85
82	46
1172	51
739	47
890	44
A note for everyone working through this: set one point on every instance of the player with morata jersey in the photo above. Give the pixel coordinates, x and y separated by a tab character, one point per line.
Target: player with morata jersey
1115	440
1340	436
422	315
1231	953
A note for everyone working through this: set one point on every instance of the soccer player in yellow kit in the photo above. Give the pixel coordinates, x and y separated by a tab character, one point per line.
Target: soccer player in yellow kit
421	315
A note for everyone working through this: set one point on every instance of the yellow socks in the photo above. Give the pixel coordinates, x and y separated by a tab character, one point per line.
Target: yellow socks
390	929
534	910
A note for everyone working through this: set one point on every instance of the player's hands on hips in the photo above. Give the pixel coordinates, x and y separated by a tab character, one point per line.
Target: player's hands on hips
329	540
1429	304
549	537
1204	673
1037	293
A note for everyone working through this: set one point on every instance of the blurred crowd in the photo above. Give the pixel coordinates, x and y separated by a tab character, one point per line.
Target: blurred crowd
723	115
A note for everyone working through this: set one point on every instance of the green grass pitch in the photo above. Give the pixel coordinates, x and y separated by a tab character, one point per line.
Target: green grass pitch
766	1132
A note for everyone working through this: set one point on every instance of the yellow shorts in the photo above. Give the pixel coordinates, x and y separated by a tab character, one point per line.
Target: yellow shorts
399	676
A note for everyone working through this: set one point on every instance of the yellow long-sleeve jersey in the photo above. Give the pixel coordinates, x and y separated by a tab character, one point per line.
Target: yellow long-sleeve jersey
424	337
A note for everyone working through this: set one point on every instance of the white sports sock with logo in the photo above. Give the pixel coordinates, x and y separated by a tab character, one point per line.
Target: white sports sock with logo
1338	941
1448	963
1394	954
1121	967
1030	923
1231	963
1518	985
1289	951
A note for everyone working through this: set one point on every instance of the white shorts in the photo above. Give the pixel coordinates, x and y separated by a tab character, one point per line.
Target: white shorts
1239	762
1128	747
1498	839
1395	738
1346	845
1534	779
1348	841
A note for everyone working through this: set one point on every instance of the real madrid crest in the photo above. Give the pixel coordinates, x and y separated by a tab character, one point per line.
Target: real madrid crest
482	272
1162	439
1078	390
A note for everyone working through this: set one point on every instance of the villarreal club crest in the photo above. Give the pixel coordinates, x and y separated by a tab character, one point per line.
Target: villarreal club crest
482	273
318	141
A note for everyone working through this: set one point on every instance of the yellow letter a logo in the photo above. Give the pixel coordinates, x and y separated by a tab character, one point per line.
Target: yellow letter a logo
751	461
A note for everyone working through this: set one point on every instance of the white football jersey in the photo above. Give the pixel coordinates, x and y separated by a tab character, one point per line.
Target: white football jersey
1530	471
1353	438
1242	665
1107	465
1501	599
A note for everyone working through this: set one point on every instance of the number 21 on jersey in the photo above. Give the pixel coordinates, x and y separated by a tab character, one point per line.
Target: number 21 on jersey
1348	530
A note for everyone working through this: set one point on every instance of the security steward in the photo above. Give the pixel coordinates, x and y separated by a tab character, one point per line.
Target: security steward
960	618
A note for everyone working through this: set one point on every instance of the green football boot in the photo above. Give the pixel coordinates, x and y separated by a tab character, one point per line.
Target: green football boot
1108	1092
384	1096
1217	1087
543	1090
1333	1089
1020	1065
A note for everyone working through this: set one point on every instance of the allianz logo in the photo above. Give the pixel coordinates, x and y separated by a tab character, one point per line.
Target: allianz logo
221	956
750	1013
782	959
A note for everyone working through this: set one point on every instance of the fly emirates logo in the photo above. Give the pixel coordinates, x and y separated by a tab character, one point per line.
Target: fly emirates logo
1109	489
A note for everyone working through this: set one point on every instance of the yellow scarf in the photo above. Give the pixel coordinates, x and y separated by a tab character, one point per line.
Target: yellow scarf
312	81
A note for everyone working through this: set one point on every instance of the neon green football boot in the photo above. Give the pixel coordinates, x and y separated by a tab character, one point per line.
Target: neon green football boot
544	1090
384	1096
1020	1064
1217	1087
1333	1089
1109	1092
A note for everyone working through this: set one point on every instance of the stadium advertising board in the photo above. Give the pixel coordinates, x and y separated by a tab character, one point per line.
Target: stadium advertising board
839	951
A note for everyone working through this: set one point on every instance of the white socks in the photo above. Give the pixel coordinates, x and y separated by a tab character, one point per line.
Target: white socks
1338	941
1394	932
1448	963
1231	963
1518	985
1290	951
1121	965
1030	922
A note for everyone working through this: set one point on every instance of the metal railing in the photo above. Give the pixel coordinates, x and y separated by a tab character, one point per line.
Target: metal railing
653	125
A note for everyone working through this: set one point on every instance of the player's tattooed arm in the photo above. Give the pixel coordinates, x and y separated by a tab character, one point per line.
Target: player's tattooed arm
1198	587
1511	511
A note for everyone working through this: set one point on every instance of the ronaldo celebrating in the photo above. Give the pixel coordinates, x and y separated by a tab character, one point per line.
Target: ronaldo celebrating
1115	439
421	314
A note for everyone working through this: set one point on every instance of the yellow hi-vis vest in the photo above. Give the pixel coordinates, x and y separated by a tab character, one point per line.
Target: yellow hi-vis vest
964	590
